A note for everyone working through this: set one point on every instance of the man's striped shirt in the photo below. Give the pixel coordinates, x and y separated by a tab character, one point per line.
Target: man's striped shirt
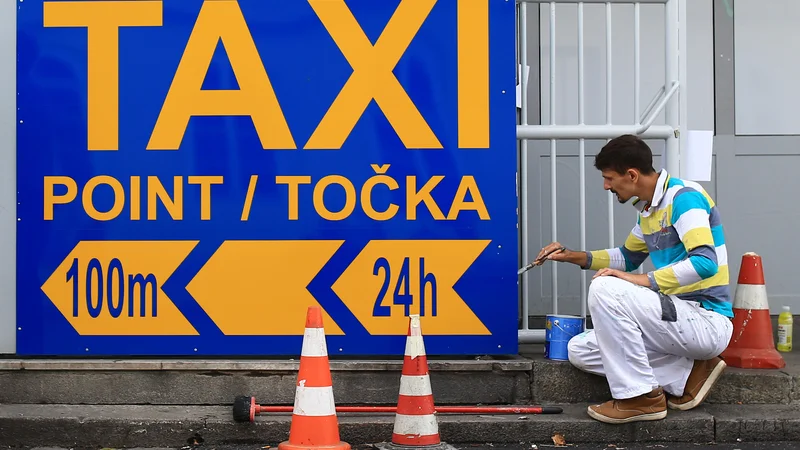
682	233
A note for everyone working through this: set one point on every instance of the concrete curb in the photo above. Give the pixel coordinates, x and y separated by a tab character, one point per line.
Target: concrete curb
208	388
175	426
756	422
559	382
366	382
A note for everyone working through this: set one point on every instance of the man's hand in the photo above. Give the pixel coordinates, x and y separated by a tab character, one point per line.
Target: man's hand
565	255
635	278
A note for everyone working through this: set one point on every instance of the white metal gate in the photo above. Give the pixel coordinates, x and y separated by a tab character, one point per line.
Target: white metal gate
641	124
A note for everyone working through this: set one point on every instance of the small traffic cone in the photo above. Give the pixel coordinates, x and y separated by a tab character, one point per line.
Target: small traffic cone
752	345
415	422
314	422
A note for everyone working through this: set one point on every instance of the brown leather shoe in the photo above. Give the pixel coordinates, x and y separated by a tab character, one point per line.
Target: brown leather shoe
650	406
702	378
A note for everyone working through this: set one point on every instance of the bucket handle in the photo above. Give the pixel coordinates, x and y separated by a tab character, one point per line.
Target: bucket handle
556	324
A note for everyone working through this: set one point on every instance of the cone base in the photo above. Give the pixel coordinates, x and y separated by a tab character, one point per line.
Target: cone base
753	358
393	446
411	441
286	445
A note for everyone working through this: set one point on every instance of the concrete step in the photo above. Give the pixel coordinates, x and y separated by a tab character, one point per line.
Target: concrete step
524	380
88	426
218	382
560	382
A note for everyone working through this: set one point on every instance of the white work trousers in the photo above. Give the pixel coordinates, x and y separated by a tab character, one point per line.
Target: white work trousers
640	341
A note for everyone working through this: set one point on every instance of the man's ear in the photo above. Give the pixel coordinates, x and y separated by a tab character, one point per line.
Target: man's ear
633	174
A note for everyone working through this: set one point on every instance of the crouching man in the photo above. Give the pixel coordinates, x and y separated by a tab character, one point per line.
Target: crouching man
656	336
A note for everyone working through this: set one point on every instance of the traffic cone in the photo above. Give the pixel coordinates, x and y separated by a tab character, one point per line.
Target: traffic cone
415	422
752	345
314	422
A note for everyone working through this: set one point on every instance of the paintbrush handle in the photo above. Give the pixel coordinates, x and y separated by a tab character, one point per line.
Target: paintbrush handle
534	263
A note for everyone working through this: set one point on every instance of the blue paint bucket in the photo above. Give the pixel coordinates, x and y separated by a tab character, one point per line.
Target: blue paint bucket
559	329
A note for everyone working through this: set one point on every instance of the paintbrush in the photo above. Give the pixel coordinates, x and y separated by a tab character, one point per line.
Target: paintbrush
534	263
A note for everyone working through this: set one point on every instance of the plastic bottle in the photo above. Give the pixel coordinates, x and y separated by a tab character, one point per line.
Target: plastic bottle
785	323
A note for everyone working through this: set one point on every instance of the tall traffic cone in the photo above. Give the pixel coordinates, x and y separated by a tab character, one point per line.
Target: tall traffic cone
314	422
752	345
415	422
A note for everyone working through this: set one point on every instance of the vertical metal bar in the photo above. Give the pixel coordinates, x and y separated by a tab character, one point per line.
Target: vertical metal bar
523	213
582	157
671	62
608	63
637	86
553	201
608	116
683	92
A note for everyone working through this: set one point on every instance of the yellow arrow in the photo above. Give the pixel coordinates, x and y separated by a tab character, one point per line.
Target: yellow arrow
259	288
369	286
125	280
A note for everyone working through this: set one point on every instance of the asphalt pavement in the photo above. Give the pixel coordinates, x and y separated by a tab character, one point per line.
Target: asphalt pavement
489	446
648	446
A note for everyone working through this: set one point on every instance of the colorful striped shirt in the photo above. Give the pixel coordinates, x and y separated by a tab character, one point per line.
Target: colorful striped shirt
681	231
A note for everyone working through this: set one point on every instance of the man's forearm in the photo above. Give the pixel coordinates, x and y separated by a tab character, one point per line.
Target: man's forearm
578	257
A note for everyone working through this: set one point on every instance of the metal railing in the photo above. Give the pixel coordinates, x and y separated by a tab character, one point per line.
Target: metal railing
642	125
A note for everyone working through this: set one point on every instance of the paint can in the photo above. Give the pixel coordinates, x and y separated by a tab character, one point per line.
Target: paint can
559	329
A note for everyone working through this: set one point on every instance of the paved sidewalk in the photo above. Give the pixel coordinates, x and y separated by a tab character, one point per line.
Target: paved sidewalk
604	446
76	426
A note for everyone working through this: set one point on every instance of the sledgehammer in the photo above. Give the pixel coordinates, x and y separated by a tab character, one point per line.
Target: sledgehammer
245	409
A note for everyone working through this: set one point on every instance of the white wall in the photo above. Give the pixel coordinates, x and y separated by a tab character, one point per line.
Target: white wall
767	69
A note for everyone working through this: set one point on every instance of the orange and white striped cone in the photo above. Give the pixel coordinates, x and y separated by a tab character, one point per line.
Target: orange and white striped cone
314	422
415	424
752	345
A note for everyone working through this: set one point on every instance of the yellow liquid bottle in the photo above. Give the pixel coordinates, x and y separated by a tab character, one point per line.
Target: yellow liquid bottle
785	323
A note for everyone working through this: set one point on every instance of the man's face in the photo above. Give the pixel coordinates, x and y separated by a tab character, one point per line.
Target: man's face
622	185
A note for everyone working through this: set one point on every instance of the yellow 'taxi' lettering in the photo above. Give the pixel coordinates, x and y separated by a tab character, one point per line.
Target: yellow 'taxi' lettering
102	20
372	75
473	73
221	19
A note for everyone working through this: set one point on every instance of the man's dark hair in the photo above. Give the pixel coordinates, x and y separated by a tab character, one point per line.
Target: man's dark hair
623	153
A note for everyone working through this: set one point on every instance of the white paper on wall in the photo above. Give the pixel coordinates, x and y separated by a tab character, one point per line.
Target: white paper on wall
698	154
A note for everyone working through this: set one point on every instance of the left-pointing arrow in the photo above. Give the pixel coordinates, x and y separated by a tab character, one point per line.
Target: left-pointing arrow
259	288
391	279
113	288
